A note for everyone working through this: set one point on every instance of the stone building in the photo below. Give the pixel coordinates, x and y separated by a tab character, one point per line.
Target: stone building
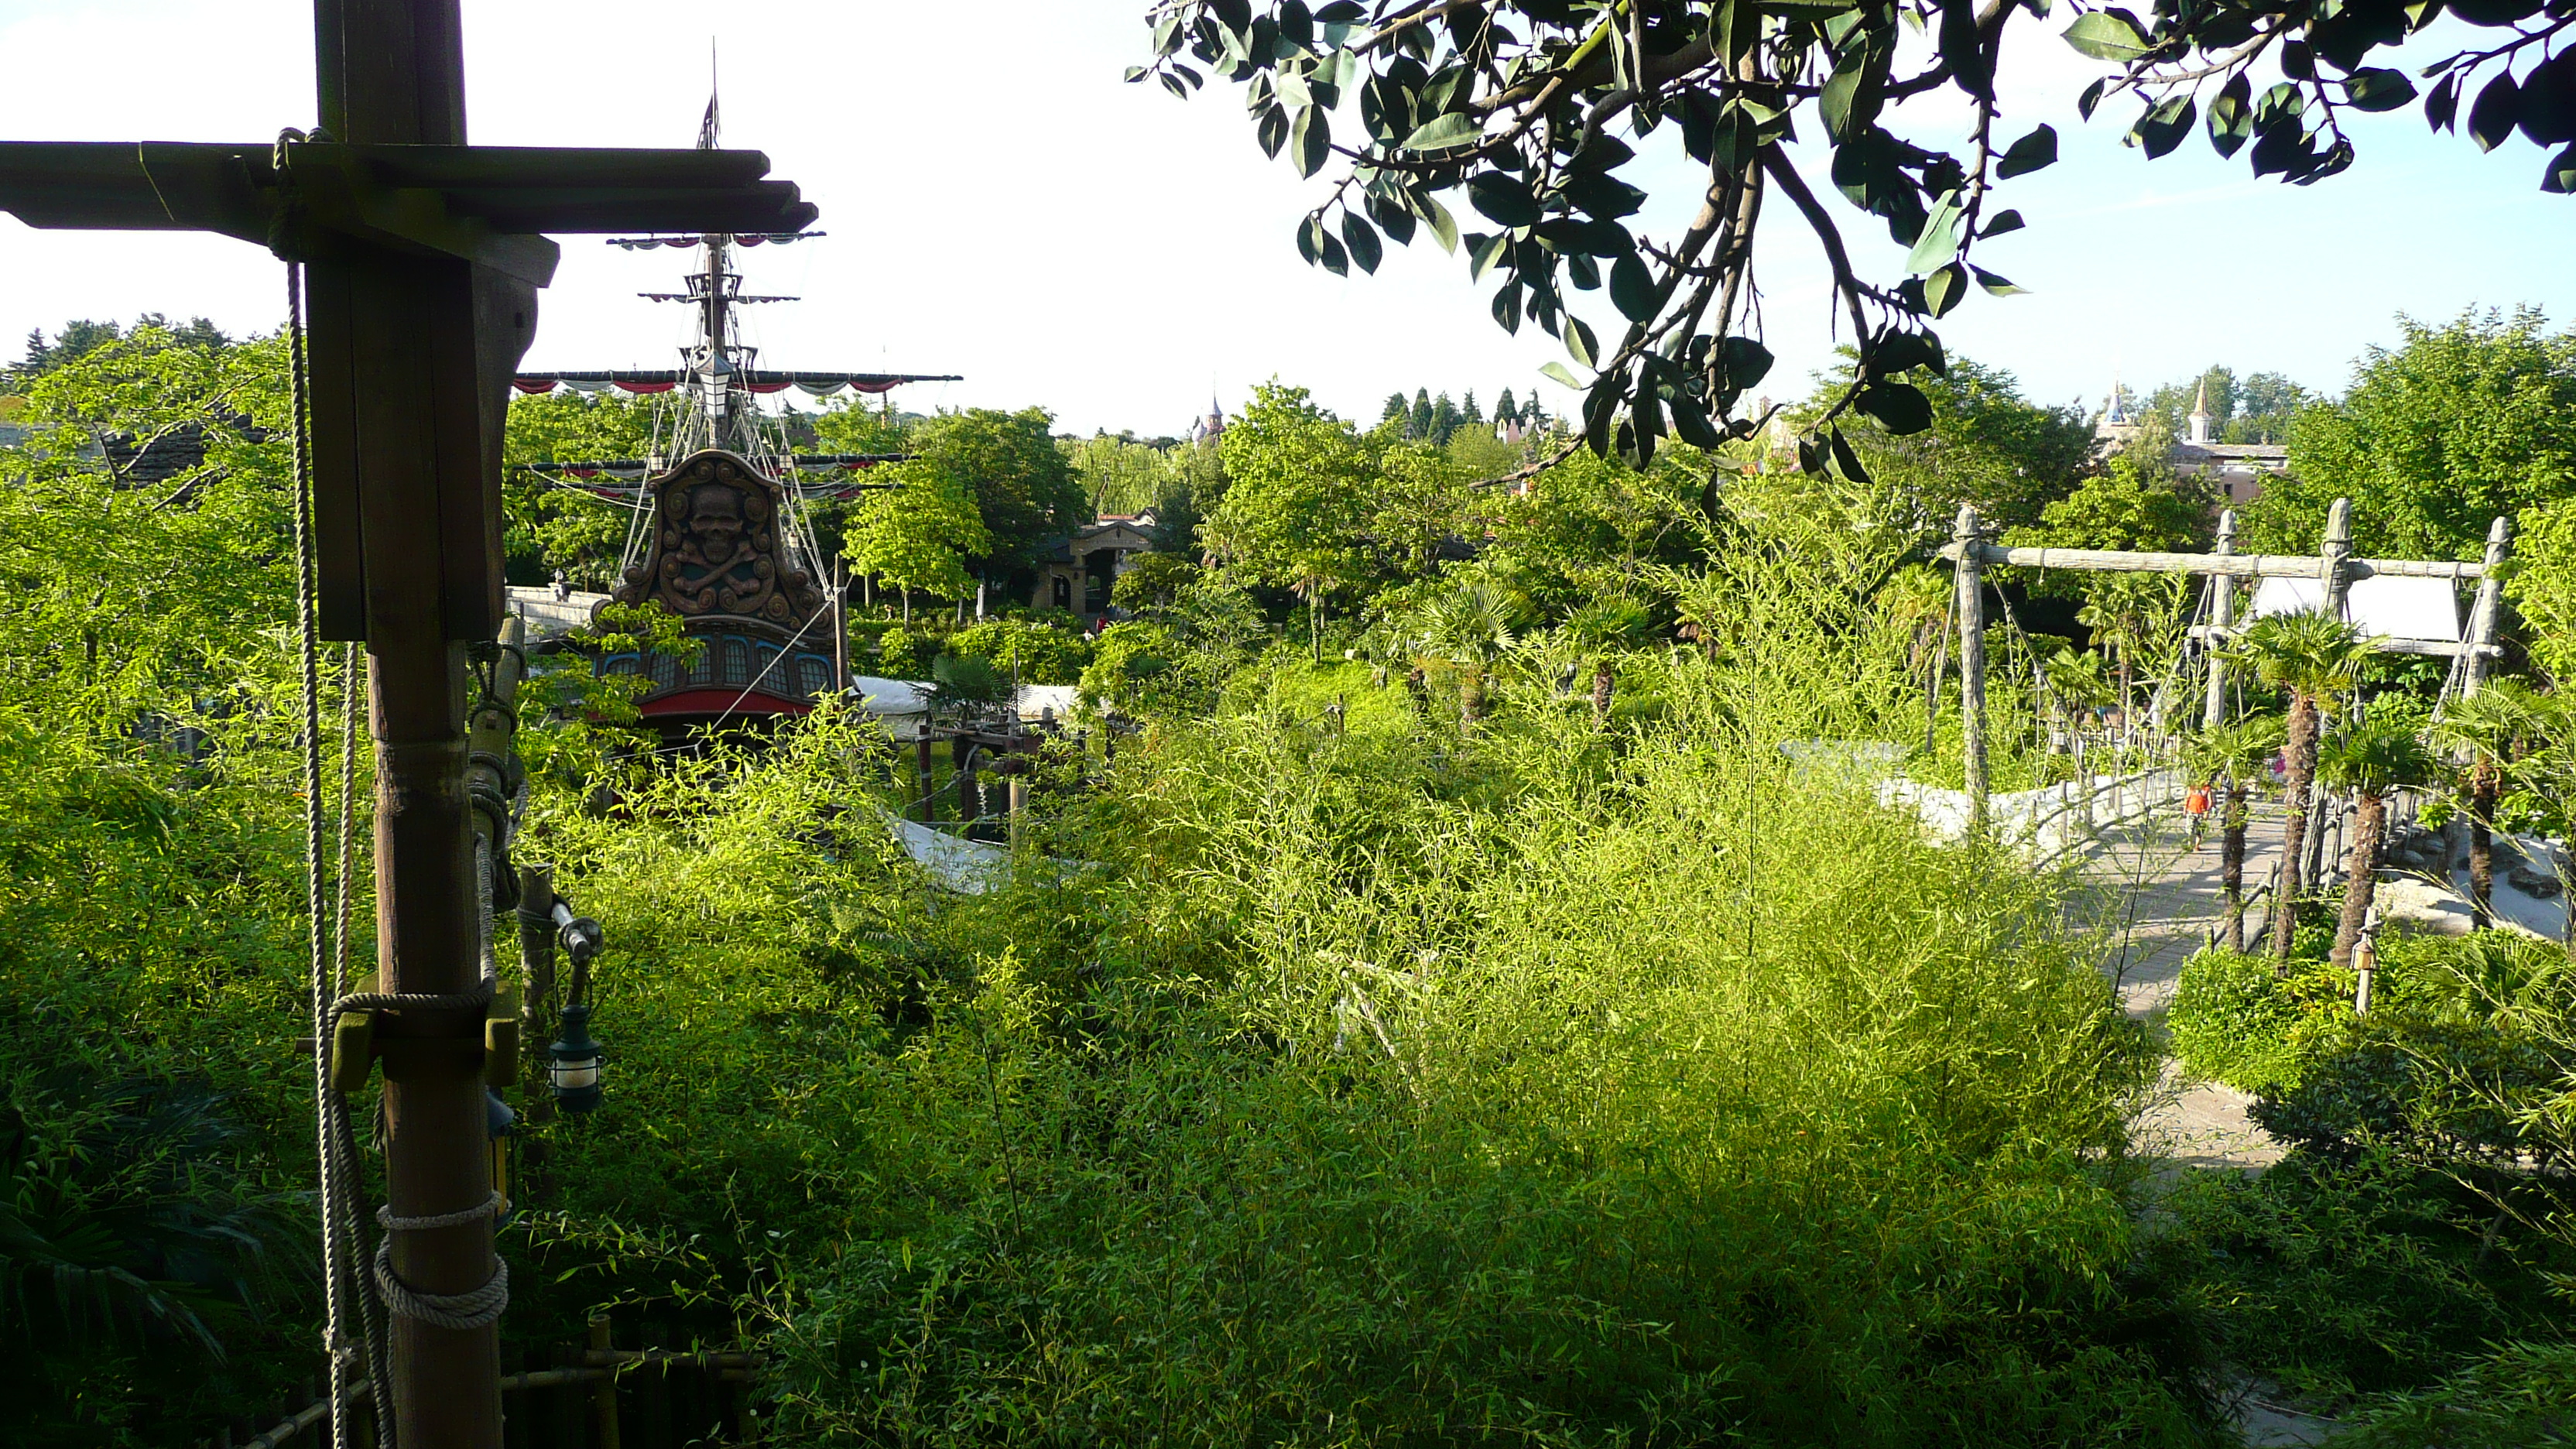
1075	572
2232	470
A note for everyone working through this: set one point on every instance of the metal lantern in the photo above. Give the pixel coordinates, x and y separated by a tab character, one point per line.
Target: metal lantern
572	1063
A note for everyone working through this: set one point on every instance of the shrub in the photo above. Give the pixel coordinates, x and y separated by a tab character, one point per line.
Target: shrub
899	655
1031	652
2234	1021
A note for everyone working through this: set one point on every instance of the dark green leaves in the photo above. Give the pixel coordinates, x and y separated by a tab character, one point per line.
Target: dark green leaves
2028	154
1904	351
1580	343
1507	305
1362	240
2231	116
1963	51
1994	285
1632	290
1310	140
2109	35
2379	89
2001	222
1504	197
1317	245
1944	289
2491	118
1271	130
1846	457
2164	125
1857	88
1442	132
2548	100
1938	242
1901	408
2559	178
2443	105
1745	361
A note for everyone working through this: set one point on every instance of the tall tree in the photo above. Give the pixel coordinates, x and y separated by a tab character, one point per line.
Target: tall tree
2543	587
1296	503
1396	410
1987	446
2461	423
919	534
1024	487
2318	660
1467	410
1418	423
1528	106
1506	410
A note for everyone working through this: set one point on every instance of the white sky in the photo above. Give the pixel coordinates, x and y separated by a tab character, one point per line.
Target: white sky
1000	205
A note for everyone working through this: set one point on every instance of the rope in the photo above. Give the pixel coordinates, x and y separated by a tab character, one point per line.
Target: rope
479	1308
457	1219
309	683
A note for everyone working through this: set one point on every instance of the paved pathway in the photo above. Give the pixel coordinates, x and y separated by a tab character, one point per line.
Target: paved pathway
2161	898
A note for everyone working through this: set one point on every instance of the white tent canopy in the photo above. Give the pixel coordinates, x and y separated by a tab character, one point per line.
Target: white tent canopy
2383	606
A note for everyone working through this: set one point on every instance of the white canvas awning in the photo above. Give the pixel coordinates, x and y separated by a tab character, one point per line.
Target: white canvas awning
2383	606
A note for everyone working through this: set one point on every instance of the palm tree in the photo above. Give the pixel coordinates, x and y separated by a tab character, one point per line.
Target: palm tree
2484	728
2231	758
2371	760
1600	628
2319	660
1477	624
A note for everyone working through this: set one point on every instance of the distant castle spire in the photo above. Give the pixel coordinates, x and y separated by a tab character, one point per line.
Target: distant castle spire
2200	414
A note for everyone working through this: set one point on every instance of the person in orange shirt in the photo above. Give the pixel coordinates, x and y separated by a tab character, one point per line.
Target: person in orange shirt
2195	803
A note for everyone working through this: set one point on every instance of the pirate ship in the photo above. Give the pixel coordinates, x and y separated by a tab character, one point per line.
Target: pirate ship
719	532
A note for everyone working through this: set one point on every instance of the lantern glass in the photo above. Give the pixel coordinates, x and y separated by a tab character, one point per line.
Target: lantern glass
572	1063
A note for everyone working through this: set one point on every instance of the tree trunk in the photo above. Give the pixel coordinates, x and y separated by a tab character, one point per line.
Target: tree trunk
2231	865
2301	758
907	608
2482	803
2361	871
1315	624
1601	687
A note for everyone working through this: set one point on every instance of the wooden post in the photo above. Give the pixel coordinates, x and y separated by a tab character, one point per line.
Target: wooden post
840	625
2222	614
537	942
926	774
2332	557
1972	666
970	793
603	1395
1019	798
2482	614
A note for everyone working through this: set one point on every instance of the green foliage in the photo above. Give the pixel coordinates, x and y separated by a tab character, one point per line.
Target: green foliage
850	425
2353	1278
2233	1019
1517	111
2543	585
2463	423
1151	580
919	533
2522	1396
1296	501
1032	653
899	655
1987	447
1024	490
551	523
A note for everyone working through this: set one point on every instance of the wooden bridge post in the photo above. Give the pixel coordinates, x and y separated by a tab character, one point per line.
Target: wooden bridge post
603	1395
1972	665
2482	615
2222	614
2333	557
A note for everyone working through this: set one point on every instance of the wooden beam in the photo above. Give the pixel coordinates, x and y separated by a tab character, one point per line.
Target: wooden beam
2490	604
2236	565
1971	601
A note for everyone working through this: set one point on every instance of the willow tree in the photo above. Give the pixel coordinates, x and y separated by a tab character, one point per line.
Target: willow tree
2318	660
1522	112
